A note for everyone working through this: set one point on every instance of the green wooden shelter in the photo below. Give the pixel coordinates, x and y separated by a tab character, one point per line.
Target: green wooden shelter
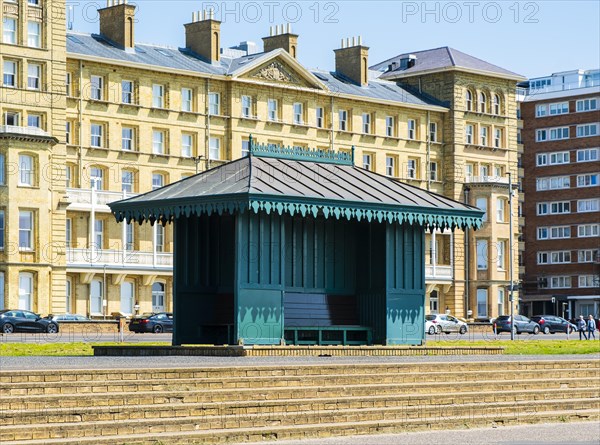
298	246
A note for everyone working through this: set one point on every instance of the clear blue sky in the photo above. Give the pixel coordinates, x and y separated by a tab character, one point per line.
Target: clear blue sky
532	38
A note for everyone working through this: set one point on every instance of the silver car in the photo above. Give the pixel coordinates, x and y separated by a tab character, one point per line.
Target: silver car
438	323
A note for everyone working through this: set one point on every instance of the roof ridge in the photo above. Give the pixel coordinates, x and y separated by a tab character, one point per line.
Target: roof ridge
450	55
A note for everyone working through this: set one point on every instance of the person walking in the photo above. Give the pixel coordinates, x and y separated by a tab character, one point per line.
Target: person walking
591	327
581	327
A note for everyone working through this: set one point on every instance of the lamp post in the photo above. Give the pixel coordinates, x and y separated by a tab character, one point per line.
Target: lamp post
510	257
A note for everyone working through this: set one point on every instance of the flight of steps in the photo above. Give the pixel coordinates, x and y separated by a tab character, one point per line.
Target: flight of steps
254	403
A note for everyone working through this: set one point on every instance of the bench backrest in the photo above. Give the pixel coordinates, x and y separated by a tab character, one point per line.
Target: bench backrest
302	309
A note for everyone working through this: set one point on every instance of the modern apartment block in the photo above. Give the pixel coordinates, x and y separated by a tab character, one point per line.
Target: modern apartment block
561	162
130	117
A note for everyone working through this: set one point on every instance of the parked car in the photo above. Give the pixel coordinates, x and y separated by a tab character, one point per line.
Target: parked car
157	323
67	317
551	324
438	323
521	324
25	321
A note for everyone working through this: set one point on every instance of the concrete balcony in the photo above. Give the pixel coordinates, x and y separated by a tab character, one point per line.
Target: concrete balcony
486	180
438	272
85	199
118	259
24	131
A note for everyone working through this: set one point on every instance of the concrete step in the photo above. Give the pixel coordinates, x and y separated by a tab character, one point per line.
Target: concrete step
110	386
289	392
320	430
287	370
236	408
268	419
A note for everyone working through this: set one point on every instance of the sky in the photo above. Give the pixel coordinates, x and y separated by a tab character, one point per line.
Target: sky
531	38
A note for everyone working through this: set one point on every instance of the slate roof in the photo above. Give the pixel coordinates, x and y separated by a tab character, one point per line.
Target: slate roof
180	58
285	185
439	58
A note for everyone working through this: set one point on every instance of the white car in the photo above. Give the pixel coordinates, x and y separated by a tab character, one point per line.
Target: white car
438	323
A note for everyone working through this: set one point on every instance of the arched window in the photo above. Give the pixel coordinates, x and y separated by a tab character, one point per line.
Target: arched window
482	103
26	170
158	297
469	100
496	104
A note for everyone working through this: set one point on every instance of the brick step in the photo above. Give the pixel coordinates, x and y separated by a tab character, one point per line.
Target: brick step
108	386
288	370
235	408
273	393
324	429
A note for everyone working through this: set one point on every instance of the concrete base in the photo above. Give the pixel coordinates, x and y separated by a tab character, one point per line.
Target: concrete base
289	351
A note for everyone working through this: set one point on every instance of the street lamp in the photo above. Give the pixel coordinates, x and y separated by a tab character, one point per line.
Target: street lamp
510	257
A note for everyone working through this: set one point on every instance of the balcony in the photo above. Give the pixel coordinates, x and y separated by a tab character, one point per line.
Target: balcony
486	180
438	272
23	131
82	199
118	259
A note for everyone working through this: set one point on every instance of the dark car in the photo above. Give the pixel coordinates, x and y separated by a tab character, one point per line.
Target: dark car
551	324
157	323
521	324
25	321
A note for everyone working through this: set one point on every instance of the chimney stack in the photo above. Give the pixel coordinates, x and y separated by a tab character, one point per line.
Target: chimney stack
117	23
352	61
203	35
280	36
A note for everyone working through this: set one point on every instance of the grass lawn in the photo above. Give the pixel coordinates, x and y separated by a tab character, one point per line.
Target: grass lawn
517	347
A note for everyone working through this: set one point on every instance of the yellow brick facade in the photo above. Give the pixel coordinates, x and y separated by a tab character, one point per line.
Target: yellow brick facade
111	269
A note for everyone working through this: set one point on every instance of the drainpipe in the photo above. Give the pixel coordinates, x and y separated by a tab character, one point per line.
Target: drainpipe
207	127
80	128
467	259
428	160
331	135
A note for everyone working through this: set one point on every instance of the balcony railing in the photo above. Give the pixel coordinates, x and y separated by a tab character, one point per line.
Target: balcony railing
438	272
487	179
25	131
100	258
82	198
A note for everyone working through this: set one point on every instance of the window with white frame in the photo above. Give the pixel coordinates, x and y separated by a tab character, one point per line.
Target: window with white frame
298	113
587	255
560	257
127	178
343	120
34	32
34	76
247	107
68	84
588	205
496	104
589	280
158	297
68	296
96	87
553	183
26	230
9	30
587	130
588	155
187	143
366	123
97	178
543	258
552	134
483	136
482	254
320	117
96	135
501	298
433	136
68	176
433	171
469	100
469	171
158	96
587	104
482	204
26	170
272	110
98	239
214	148
553	208
500	210
541	110
2	229
68	232
367	161
127	297
9	74
158	142
482	300
588	230
482	103
390	126
560	282
127	139
25	291
484	170
187	100
158	180
159	238
245	147
411	169
390	166
127	92
34	120
129	236
560	232
96	297
557	158
214	104
412	129
68	130
498	137
501	254
588	180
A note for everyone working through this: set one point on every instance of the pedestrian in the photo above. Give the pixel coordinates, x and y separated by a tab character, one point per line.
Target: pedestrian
581	327
591	327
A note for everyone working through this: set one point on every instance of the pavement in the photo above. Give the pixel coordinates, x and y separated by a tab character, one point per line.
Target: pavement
538	434
90	362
